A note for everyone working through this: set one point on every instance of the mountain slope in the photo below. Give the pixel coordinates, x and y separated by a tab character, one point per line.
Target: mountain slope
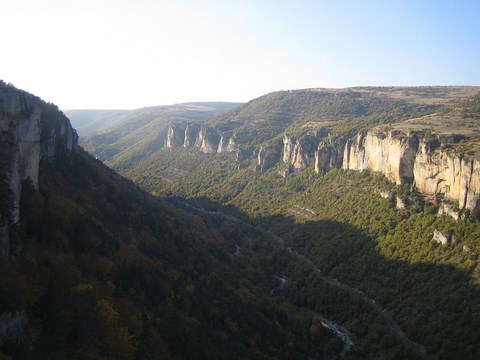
352	240
144	130
87	121
100	269
300	113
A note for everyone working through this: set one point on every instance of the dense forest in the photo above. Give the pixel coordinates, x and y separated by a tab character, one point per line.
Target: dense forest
378	243
193	255
103	270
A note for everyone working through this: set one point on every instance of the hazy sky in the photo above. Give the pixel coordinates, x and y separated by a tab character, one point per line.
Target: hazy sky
134	53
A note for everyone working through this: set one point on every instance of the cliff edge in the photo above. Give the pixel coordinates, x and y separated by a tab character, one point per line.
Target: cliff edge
31	131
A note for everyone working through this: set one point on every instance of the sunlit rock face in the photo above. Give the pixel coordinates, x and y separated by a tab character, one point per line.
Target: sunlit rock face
288	145
31	131
406	158
391	153
302	151
451	175
440	237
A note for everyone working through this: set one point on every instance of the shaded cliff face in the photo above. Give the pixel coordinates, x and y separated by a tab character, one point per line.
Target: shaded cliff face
175	136
191	133
300	152
31	131
329	155
269	155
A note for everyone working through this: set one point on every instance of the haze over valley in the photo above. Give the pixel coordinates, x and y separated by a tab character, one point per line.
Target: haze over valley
261	180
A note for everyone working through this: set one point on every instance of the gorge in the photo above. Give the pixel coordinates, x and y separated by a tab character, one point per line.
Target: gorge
422	158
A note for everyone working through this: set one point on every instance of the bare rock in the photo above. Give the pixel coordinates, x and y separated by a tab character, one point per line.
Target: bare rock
269	155
446	209
440	237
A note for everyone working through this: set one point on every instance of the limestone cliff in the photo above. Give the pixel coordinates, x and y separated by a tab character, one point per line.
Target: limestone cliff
175	136
223	144
288	145
233	145
208	140
443	173
415	157
31	131
389	152
329	155
191	134
269	155
301	151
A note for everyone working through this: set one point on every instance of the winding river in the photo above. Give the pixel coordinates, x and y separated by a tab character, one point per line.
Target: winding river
338	330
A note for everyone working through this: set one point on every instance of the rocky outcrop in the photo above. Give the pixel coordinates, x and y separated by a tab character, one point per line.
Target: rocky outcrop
303	150
175	137
208	140
438	172
411	158
440	237
303	153
384	194
329	155
233	145
286	171
223	144
269	155
391	153
191	134
288	145
446	209
31	131
403	202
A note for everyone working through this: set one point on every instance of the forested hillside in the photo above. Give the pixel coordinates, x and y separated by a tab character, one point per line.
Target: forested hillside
142	131
212	256
99	269
397	268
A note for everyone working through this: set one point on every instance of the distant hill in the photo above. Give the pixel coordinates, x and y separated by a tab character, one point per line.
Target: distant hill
90	120
343	112
86	121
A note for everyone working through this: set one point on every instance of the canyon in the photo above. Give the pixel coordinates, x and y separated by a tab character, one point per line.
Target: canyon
423	159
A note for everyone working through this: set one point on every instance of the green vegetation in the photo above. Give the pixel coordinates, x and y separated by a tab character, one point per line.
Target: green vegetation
343	113
89	121
355	236
108	272
239	264
144	131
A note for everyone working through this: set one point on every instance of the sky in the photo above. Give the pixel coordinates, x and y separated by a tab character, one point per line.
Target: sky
125	54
